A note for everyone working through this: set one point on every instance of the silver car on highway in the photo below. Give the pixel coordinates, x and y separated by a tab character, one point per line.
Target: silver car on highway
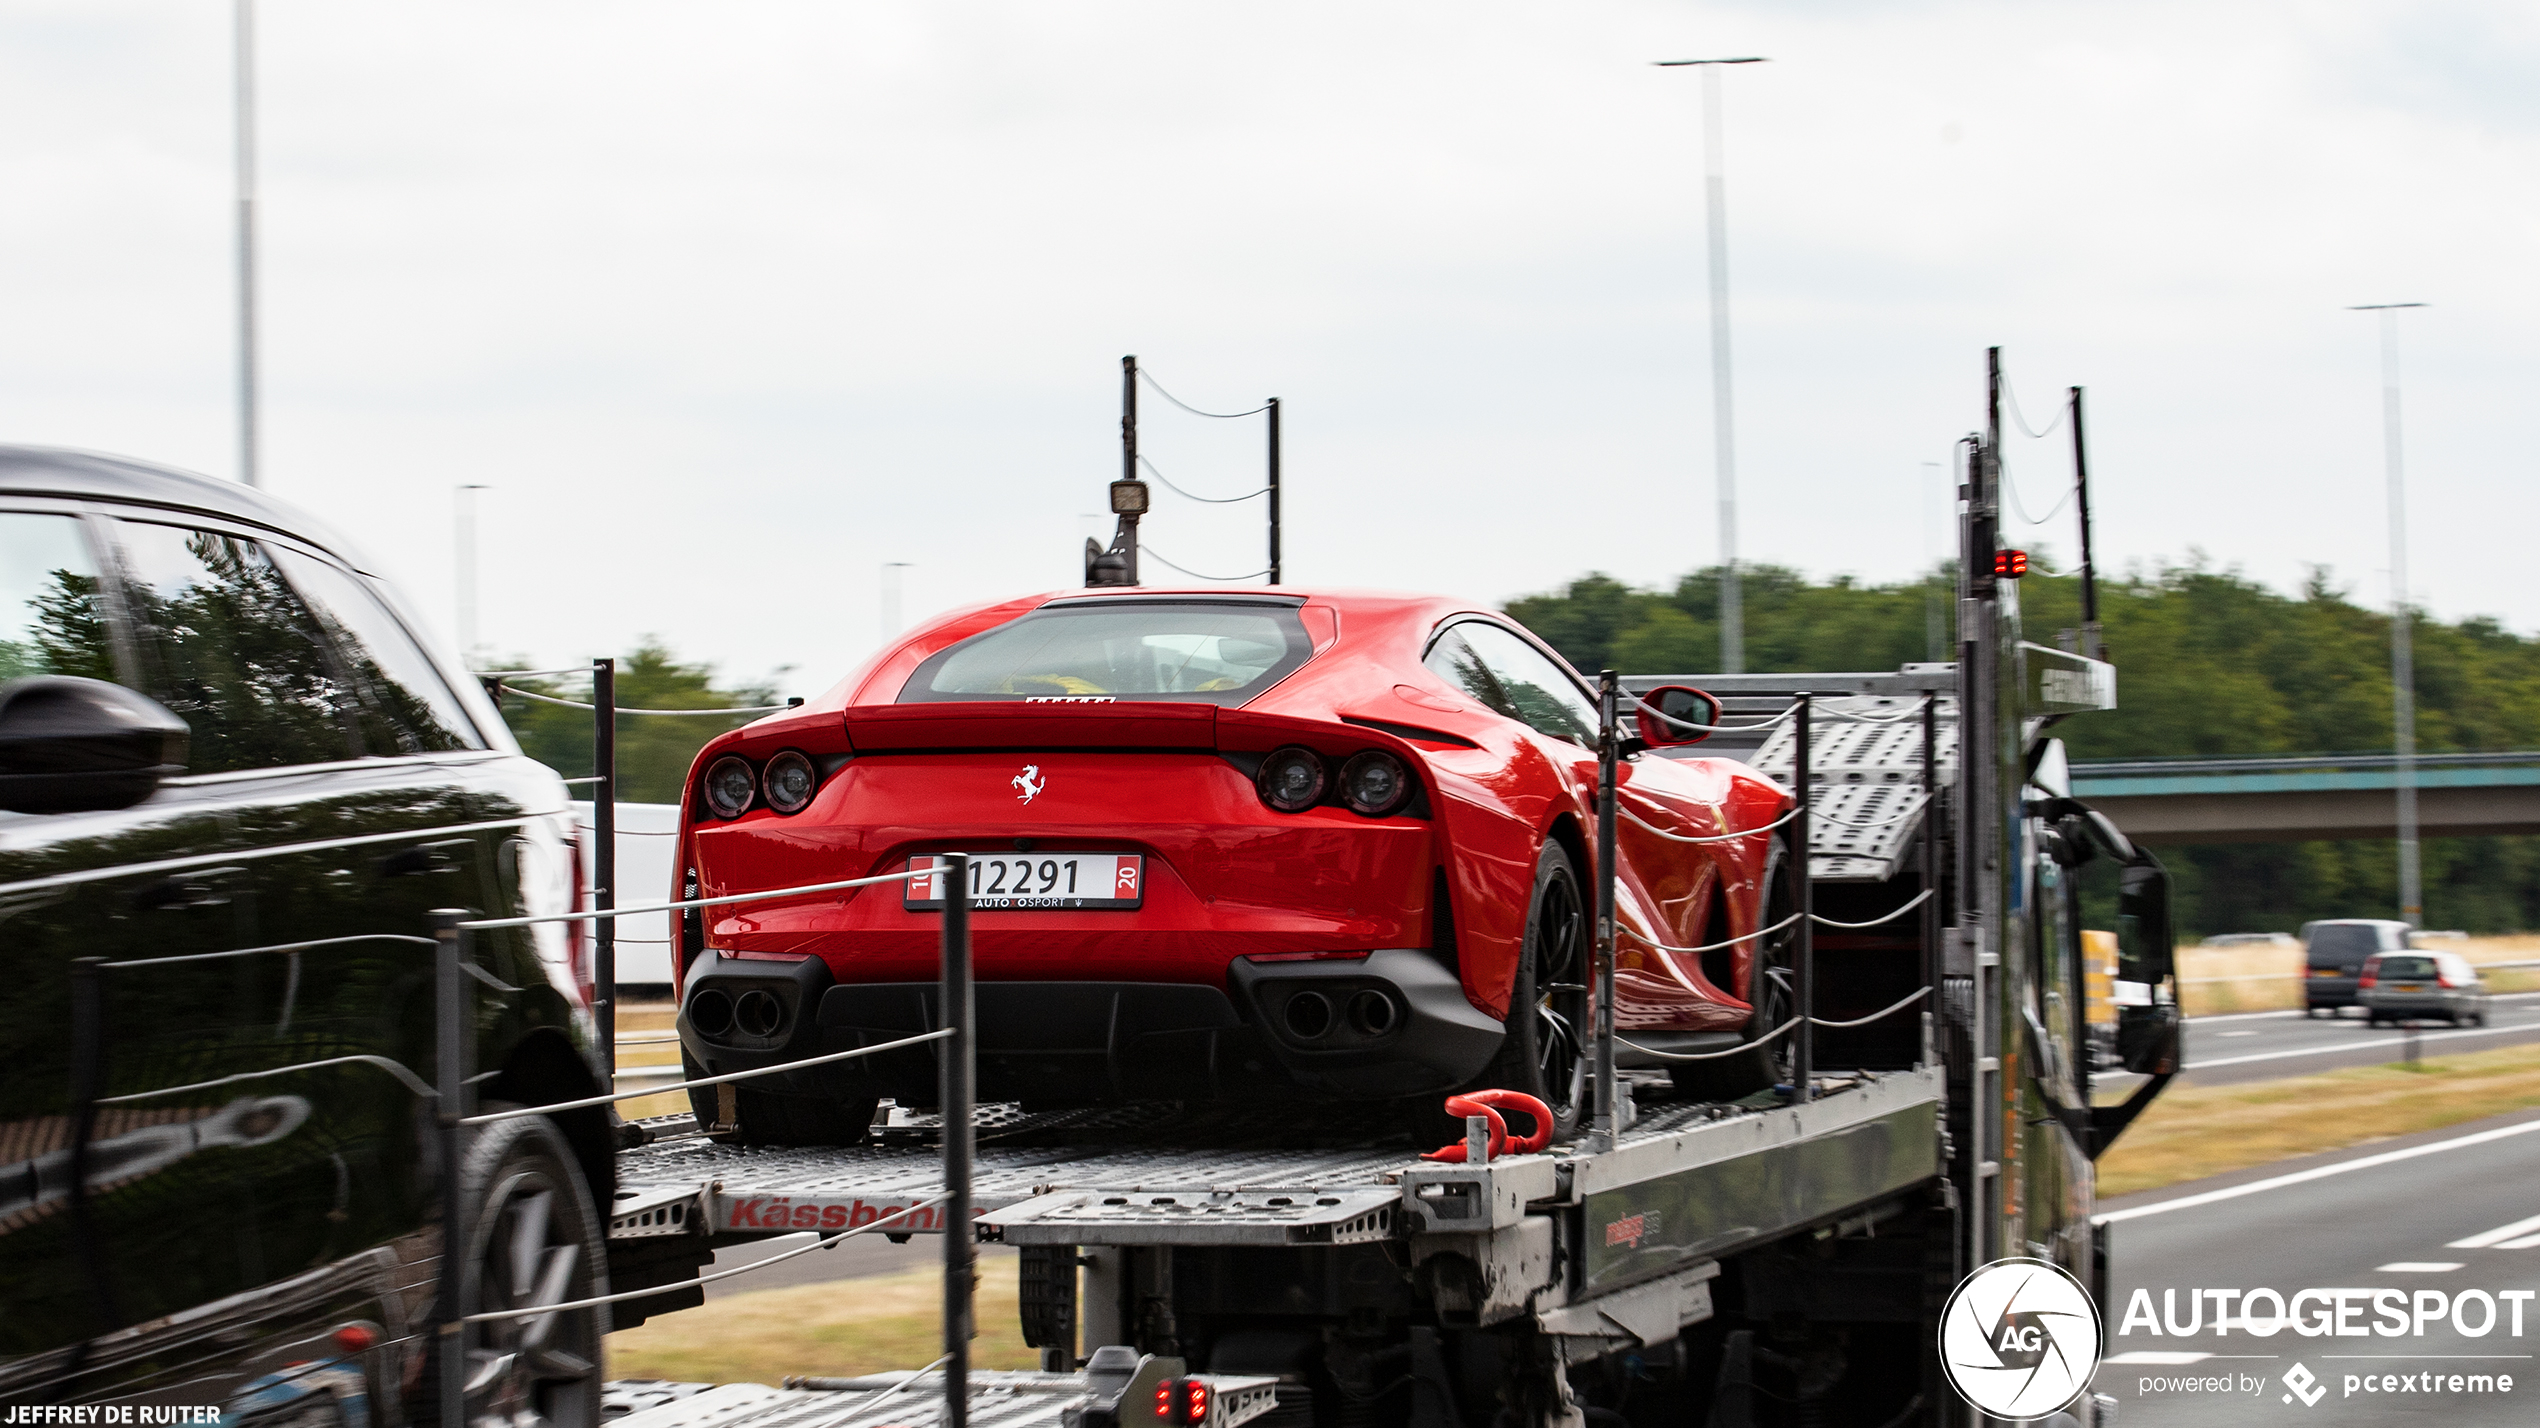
2422	986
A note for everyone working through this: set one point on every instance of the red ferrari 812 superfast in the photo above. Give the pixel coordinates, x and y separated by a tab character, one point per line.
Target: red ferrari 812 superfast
1224	846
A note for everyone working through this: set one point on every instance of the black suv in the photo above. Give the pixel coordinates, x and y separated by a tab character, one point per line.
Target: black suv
234	784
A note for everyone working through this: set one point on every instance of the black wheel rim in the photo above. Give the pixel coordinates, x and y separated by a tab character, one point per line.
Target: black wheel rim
534	1370
1770	991
1561	998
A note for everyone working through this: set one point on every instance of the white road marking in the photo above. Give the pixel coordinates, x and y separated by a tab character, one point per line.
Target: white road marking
2260	1187
2497	1235
2423	1038
2238	1033
2416	1266
2526	1242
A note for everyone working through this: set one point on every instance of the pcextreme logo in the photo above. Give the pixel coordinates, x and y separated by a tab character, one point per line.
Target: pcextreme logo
2020	1338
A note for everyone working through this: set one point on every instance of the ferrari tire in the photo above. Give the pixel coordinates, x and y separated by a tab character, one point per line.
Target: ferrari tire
1544	1051
736	1114
534	1237
1759	1064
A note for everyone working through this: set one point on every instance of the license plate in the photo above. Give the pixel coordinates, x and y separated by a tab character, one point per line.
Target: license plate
2326	972
2407	986
1036	882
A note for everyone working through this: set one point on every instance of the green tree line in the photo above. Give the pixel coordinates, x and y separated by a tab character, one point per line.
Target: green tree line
2209	662
653	751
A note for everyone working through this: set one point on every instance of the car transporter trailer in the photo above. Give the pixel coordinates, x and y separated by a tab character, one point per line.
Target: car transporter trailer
1780	1259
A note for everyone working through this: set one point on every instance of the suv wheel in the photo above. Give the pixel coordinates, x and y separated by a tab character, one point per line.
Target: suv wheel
534	1240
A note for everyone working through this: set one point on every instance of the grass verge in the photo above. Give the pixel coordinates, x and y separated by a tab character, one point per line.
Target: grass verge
841	1328
2195	1131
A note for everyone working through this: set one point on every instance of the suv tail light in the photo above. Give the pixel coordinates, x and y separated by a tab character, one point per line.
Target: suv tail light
2444	980
2371	974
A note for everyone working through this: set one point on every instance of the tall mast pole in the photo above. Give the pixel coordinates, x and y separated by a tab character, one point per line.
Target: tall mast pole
1715	195
2403	683
243	18
1127	540
1723	429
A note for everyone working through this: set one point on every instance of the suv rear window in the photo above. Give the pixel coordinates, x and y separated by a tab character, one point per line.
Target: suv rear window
2343	945
1196	651
2407	968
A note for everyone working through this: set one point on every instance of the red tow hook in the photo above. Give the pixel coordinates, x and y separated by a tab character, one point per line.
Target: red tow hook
1487	1103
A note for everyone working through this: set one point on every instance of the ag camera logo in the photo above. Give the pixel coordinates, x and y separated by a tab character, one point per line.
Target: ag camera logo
2020	1338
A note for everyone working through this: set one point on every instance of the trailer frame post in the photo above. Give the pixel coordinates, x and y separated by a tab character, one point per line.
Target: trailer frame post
604	865
450	1056
959	1080
1803	1069
1931	867
1602	1129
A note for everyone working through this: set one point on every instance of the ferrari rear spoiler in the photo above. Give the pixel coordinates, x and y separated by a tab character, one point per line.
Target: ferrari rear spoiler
1051	726
1026	724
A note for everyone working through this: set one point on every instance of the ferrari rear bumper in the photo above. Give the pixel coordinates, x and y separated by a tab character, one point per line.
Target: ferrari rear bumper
1392	1023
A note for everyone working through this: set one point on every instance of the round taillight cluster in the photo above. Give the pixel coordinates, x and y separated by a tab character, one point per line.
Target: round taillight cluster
787	784
1373	783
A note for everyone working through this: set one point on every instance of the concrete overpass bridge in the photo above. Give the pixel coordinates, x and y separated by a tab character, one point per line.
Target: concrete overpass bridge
2290	799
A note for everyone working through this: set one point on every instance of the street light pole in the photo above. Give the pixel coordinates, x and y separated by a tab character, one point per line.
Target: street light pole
2403	695
243	26
465	497
1723	431
891	597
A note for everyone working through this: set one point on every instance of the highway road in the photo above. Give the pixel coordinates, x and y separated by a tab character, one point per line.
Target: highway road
2259	1046
2442	1226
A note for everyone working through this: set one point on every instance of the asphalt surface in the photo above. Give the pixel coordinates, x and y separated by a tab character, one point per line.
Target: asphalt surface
2431	1217
2261	1046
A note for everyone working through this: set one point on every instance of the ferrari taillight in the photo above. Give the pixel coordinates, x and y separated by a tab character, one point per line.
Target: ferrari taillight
1291	779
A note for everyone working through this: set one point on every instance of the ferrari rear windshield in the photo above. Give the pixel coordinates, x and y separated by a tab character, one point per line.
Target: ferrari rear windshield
1197	651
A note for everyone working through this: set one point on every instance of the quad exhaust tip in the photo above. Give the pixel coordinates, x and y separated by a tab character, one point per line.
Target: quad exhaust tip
710	1013
1309	1015
758	1013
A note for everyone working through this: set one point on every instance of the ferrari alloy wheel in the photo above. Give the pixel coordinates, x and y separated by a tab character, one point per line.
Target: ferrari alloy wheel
534	1241
1760	1064
1544	1054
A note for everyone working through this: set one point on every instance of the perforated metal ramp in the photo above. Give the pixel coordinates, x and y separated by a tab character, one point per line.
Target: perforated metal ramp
1171	1158
1865	774
996	1400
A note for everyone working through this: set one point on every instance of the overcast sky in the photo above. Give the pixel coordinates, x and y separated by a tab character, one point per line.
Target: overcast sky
730	303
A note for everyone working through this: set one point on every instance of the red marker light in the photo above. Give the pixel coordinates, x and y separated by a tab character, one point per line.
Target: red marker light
2010	564
1164	1400
1197	1401
354	1338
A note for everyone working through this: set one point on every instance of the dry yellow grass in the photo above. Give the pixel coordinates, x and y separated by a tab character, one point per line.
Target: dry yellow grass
652	1018
2264	978
2195	1131
842	1328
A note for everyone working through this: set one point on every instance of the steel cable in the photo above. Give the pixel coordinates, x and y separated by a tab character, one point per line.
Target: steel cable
1146	377
1188	496
498	1315
1146	551
578	704
1713	838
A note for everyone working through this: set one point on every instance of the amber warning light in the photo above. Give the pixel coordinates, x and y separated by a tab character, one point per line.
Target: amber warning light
2010	564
